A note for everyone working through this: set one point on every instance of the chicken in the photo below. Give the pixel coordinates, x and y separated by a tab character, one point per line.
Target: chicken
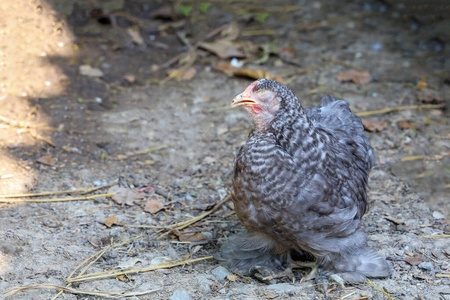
299	186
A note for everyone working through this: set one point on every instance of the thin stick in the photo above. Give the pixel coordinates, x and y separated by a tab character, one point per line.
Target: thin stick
109	294
388	110
140	152
97	257
184	224
369	282
194	47
443	275
127	271
81	191
436	236
56	199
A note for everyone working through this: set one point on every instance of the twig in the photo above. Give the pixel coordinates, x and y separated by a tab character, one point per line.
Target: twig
140	152
388	110
194	47
348	295
117	272
109	294
259	32
97	257
443	275
56	199
184	224
81	191
369	282
436	236
328	22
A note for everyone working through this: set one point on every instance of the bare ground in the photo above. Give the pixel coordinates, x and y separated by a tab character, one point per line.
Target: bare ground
60	130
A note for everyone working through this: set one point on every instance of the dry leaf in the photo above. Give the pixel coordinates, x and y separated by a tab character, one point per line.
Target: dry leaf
358	77
124	195
46	160
159	260
130	78
87	70
182	74
231	32
189	236
427	95
421	84
374	126
110	221
135	35
164	13
287	52
122	277
129	263
224	49
153	206
195	250
229	70
415	260
232	277
405	124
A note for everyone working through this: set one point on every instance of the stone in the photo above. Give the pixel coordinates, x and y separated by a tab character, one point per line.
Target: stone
220	273
180	295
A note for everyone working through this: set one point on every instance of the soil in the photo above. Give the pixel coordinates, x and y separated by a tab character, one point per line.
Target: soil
85	100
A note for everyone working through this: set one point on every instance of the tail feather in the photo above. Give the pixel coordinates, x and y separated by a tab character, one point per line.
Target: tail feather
372	264
242	252
356	266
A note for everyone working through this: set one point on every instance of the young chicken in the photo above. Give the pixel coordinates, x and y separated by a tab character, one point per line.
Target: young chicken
300	184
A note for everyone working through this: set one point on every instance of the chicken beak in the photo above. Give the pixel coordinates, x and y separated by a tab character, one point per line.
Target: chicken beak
241	100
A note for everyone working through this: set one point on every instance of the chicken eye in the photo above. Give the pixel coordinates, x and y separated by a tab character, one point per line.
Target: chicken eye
266	95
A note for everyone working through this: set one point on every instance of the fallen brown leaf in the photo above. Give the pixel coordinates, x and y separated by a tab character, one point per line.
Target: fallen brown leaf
427	95
229	70
374	126
414	260
405	124
287	52
421	84
195	250
135	35
358	77
164	13
189	236
182	74
153	206
130	78
224	48
110	221
47	160
124	195
231	32
122	277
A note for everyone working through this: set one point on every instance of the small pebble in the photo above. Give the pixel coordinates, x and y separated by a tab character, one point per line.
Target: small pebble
438	215
426	266
283	287
205	282
220	273
180	295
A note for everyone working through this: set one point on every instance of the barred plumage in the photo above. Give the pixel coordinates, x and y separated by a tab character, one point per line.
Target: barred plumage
300	185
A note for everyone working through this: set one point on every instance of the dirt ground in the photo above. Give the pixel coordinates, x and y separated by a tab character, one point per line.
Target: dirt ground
90	95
